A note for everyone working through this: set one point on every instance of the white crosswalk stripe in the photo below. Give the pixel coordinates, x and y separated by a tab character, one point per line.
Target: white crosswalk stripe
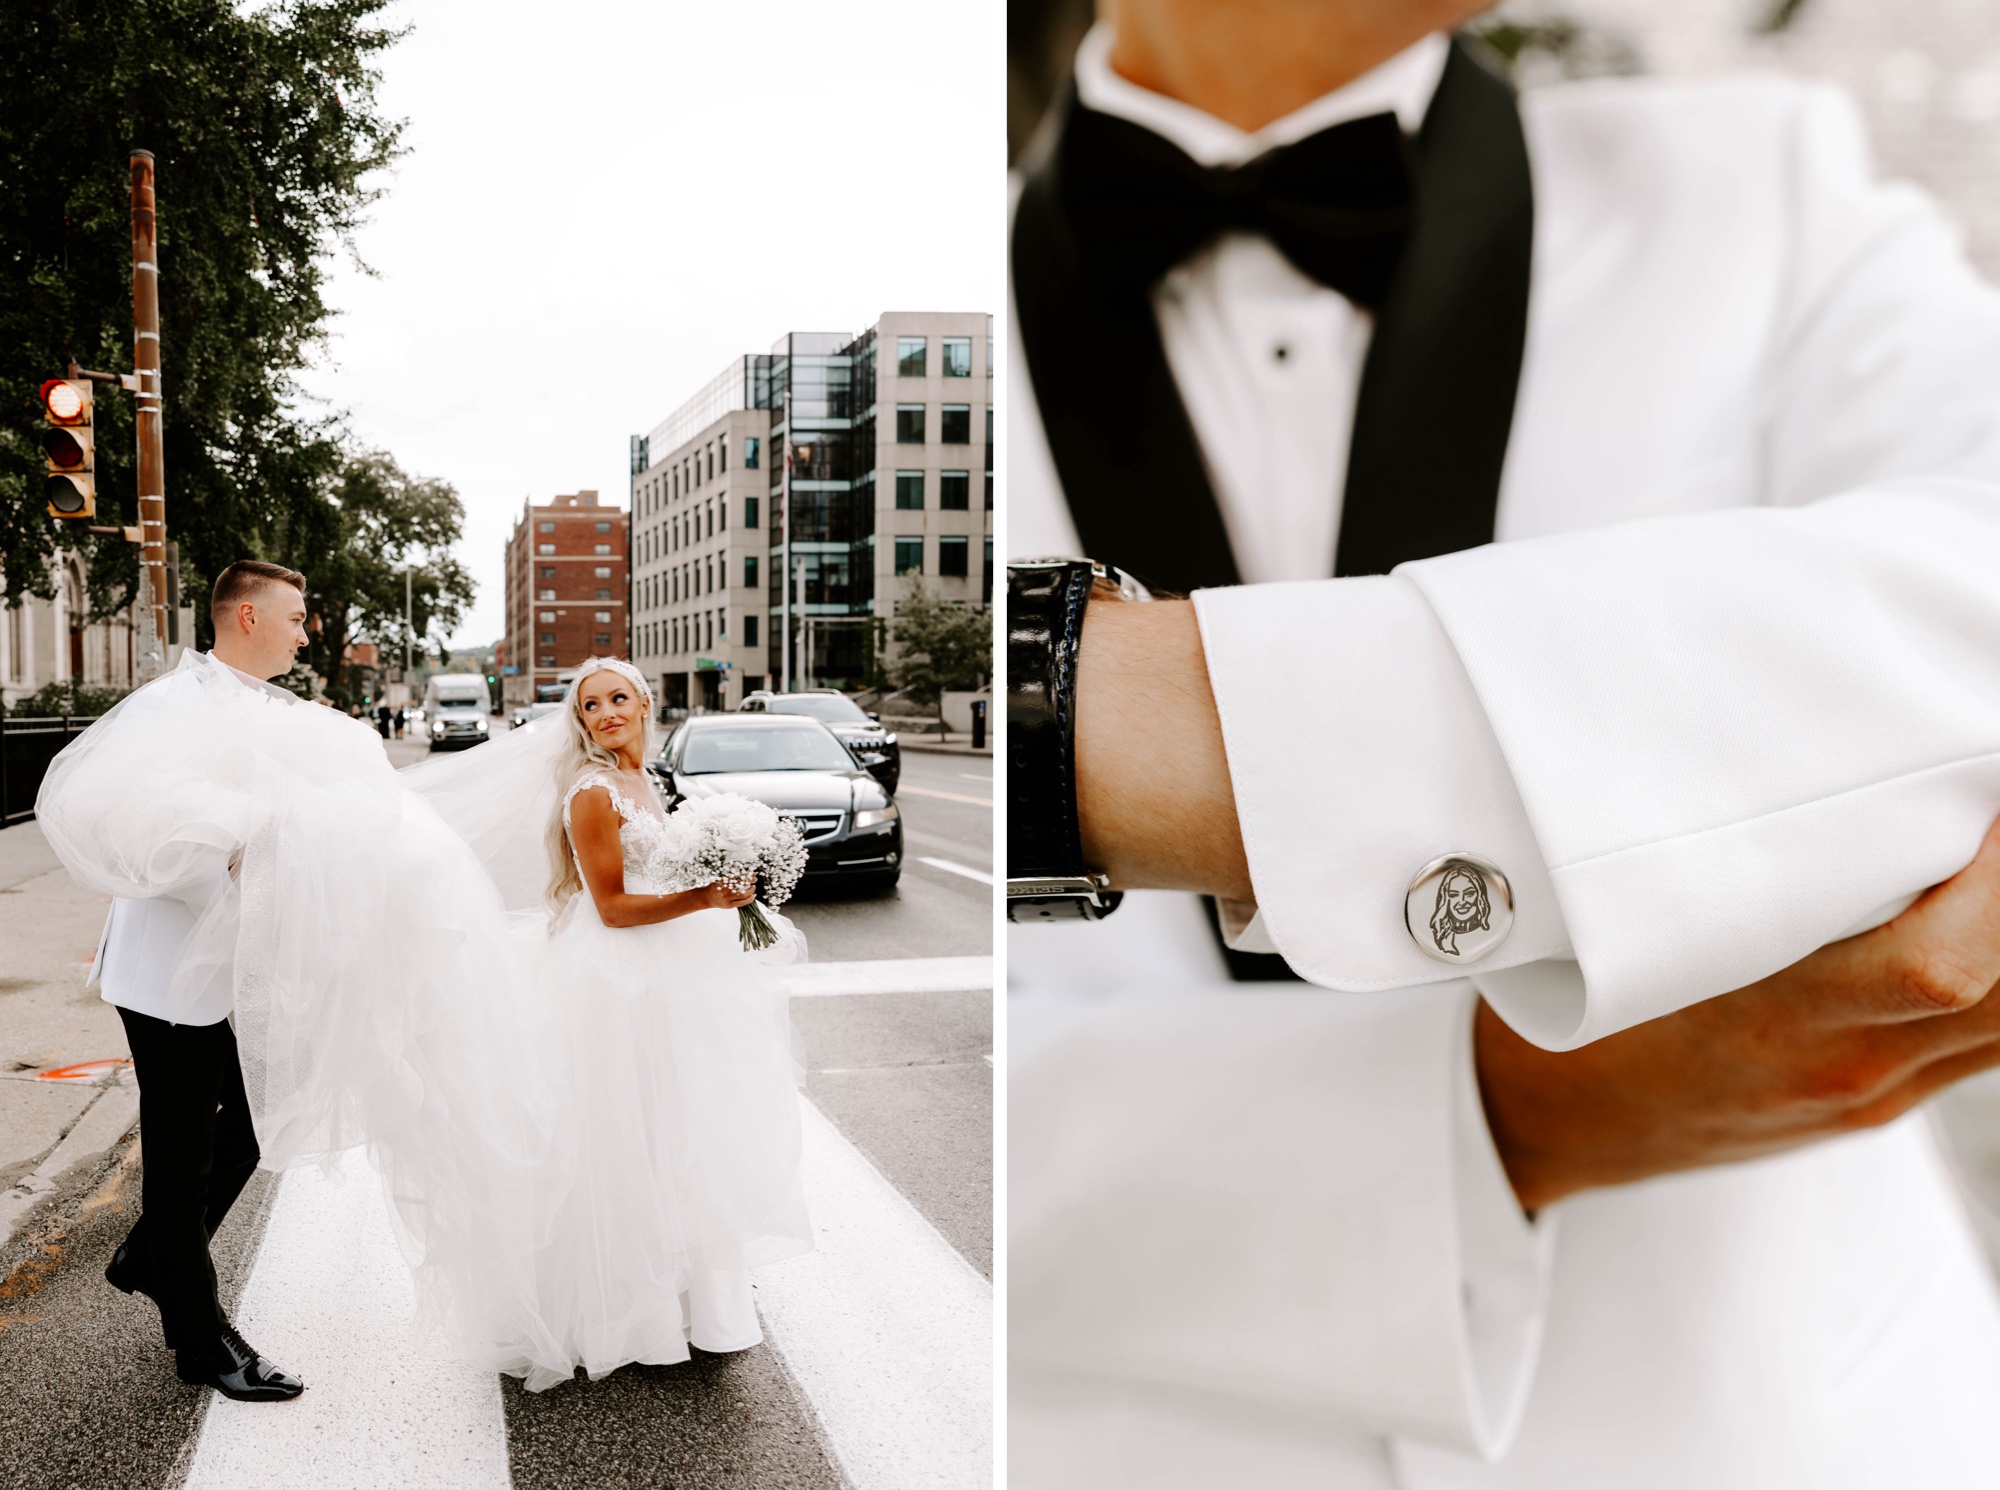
885	1328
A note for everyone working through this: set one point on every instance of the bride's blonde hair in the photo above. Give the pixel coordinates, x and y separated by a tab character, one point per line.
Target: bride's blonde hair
581	754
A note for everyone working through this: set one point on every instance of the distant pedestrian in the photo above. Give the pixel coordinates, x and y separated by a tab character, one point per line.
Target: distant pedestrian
400	721
382	717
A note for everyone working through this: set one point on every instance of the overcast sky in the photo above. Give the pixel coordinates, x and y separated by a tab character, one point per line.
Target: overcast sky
602	204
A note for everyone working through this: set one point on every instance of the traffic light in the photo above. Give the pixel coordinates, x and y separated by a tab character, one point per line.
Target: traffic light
66	441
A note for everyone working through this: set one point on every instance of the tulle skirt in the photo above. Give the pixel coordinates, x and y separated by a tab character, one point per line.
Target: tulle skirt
674	1163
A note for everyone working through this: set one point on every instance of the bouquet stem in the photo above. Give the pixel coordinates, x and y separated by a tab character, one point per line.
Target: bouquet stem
755	928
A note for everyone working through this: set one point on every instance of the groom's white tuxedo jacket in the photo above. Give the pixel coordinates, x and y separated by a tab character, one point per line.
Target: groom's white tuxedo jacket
140	949
1727	688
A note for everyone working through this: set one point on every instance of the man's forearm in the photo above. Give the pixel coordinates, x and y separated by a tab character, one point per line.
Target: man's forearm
1152	783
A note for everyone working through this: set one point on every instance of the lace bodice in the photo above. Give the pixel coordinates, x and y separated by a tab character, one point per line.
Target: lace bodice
641	834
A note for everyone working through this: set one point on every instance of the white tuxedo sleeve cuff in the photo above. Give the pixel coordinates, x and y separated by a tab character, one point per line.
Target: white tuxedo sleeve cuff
1275	1196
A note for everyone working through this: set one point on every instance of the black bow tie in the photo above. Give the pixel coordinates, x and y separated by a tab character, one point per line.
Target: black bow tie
1337	203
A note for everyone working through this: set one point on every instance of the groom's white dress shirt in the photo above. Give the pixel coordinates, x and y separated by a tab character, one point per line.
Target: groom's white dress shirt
1728	688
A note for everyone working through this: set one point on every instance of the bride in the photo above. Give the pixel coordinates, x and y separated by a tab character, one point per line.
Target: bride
673	1158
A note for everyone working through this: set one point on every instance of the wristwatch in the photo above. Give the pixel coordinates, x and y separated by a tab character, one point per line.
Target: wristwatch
1047	879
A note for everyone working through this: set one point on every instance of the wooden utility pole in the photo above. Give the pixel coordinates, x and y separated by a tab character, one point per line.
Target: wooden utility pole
152	459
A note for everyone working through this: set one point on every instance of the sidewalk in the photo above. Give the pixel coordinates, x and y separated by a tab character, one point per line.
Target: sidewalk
48	1022
944	744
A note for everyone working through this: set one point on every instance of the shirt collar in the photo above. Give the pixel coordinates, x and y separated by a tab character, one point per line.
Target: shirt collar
1403	86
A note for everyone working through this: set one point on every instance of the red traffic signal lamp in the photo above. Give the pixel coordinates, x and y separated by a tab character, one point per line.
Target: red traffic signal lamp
66	442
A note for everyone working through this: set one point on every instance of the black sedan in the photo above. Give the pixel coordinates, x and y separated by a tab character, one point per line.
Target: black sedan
854	832
874	746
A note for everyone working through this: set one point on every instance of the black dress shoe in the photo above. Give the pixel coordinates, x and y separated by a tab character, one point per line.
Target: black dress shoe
233	1368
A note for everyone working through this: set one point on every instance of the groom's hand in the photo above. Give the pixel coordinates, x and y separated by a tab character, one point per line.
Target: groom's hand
1852	1036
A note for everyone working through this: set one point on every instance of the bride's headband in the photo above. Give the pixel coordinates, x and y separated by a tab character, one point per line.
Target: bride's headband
616	665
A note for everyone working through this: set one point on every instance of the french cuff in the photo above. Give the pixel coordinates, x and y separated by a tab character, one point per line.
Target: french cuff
1242	926
1359	754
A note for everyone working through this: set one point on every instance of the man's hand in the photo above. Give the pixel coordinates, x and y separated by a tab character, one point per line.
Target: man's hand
1850	1037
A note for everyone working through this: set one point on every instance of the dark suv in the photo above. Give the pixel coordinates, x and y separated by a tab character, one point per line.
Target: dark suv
874	746
854	831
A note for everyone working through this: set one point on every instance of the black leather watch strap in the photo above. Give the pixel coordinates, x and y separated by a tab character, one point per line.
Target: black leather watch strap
1046	876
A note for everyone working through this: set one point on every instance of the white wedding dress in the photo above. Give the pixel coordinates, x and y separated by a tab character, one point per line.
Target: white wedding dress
587	1135
675	1162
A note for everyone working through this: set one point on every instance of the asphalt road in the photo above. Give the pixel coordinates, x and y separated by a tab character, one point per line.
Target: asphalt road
847	1391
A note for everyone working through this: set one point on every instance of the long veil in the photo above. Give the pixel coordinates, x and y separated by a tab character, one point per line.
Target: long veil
378	1001
499	798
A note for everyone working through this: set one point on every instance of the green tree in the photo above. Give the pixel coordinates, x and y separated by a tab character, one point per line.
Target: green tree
943	645
265	130
377	520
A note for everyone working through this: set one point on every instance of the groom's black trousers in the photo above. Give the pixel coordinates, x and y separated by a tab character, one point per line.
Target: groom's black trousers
198	1150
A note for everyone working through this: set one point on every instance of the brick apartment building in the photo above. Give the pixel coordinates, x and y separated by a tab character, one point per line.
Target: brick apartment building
566	592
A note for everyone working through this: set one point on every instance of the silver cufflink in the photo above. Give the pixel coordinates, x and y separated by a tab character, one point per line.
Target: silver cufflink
1459	908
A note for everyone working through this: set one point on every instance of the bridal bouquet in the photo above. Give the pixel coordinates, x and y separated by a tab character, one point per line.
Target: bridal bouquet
731	837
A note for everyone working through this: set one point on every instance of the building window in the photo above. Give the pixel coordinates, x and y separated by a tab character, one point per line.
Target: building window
545	548
989	427
604	548
548	659
750	628
910	356
547	638
603	638
545	527
545	594
986	572
749	512
989	486
910	490
548	617
603	594
721	514
957	356
604	527
952	556
909	424
955	490
548	571
752	447
955	424
711	462
910	555
722	446
603	571
749	571
602	617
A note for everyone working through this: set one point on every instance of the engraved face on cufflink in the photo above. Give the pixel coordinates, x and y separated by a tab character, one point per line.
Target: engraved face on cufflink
1459	908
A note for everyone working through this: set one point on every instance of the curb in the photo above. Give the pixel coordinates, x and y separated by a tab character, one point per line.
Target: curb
107	1119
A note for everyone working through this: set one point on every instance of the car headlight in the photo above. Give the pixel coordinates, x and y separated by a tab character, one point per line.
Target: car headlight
870	817
438	728
888	739
482	726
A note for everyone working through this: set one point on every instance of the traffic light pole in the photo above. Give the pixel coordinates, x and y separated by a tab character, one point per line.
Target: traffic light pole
152	458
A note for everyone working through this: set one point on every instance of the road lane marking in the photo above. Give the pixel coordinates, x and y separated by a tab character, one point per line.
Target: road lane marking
976	776
907	790
330	1300
965	869
892	975
886	1328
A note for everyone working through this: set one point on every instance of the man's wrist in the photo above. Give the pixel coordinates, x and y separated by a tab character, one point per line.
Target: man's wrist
1154	802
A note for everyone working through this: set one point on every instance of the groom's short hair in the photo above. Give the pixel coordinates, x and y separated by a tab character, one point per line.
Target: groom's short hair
243	579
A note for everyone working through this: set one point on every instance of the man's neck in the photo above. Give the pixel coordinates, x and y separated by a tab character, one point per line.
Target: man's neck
1255	61
236	667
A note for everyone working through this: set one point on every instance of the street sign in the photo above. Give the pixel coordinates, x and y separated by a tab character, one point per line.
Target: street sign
710	665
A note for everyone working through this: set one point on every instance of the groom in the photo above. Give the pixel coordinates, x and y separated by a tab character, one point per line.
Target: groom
194	1118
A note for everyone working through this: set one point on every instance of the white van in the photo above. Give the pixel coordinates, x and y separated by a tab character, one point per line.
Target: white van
457	710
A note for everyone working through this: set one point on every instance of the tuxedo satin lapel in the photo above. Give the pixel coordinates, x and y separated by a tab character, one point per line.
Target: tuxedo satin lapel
1437	391
1116	428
